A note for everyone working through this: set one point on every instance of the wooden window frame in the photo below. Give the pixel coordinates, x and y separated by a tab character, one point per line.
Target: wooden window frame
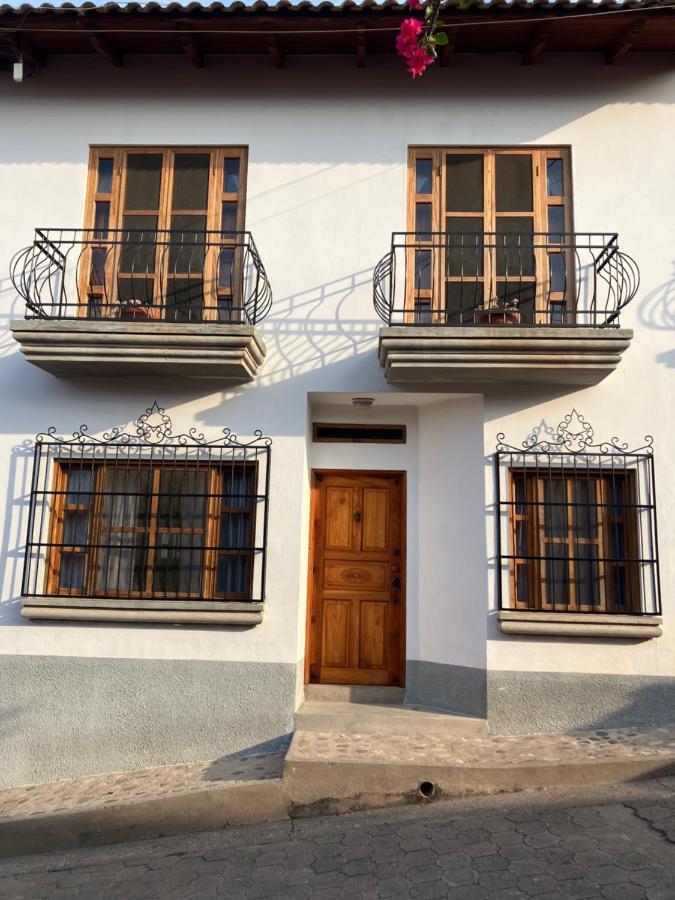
214	510
217	195
537	540
434	298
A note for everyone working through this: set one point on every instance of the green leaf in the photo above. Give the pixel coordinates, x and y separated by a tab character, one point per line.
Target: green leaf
465	4
428	11
440	39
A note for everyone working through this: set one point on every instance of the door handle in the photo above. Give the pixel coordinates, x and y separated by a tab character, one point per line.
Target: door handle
395	585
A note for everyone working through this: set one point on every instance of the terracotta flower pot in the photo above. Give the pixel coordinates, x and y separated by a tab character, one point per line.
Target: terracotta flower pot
496	317
136	312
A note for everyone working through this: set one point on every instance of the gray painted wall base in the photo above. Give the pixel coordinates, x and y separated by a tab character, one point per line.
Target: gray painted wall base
531	702
524	702
457	689
62	717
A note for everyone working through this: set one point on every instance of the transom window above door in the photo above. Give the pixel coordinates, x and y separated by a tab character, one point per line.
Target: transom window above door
491	234
164	233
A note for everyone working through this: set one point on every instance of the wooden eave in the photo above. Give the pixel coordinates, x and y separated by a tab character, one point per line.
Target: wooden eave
201	33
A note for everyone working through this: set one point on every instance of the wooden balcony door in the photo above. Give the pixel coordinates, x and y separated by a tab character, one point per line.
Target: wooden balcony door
489	228
357	579
162	227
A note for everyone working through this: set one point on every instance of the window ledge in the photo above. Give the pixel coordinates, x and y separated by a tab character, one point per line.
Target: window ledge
202	613
588	625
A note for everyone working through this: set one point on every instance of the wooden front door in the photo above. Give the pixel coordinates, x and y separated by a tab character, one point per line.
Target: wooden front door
357	579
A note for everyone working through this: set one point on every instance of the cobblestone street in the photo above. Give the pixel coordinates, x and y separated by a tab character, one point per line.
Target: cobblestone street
616	843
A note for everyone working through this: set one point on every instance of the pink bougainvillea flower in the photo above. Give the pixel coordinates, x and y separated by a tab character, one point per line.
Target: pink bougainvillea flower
411	30
417	61
414	4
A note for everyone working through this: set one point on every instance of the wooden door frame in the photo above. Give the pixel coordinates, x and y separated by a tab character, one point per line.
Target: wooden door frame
311	557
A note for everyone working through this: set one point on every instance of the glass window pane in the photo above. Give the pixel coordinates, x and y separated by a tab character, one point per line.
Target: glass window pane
72	571
557	313
229	216
558	277
178	564
423	176
191	180
188	244
140	244
231	175
554	178
514	250
185	299
102	219
79	486
121	564
556	224
557	576
464	182
182	499
461	300
125	501
422	276
464	246
232	576
513	177
555	508
586	510
105	176
75	527
99	255
523	583
423	218
587	575
144	175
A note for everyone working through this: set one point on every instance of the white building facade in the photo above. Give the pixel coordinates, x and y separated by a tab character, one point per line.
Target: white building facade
166	595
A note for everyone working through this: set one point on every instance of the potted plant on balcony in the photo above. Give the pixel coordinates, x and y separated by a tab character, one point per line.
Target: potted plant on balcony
498	312
133	310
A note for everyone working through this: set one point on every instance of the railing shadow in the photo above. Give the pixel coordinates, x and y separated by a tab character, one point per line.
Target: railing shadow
657	308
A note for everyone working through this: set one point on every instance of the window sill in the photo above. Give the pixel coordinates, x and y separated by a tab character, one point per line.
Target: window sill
244	615
585	625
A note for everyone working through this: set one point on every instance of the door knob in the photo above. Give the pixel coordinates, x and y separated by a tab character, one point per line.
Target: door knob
395	585
357	516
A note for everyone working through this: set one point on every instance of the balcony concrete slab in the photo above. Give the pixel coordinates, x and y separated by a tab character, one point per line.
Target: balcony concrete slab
102	347
437	354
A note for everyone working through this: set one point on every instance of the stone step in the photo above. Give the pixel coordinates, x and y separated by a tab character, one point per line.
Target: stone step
353	693
384	718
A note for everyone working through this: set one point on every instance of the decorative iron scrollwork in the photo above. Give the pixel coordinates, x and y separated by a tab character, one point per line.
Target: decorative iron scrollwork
575	435
154	427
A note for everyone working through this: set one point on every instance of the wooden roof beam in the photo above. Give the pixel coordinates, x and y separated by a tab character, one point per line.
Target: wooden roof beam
360	46
449	48
107	48
623	43
23	47
191	50
538	44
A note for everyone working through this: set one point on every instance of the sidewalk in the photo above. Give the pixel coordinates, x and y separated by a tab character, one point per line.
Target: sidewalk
322	772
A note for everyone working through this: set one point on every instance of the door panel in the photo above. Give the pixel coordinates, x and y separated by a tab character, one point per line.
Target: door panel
356	604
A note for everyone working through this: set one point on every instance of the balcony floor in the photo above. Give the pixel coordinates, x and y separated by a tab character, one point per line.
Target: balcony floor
77	347
436	354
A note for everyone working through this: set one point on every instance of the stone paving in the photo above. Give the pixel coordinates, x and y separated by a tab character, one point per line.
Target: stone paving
129	787
611	843
488	752
164	781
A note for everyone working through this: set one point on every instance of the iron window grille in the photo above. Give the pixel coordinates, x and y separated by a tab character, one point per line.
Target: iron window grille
576	523
144	518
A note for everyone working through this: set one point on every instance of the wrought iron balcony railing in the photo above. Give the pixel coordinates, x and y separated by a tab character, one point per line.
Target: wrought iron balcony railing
129	274
504	279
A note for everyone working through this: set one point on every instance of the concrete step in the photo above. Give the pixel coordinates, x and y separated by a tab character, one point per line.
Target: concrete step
336	773
353	693
384	718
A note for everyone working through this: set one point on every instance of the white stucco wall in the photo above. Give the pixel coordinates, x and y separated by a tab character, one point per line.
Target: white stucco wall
326	187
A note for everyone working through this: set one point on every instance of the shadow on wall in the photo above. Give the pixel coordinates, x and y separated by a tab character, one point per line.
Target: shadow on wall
567	702
657	308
